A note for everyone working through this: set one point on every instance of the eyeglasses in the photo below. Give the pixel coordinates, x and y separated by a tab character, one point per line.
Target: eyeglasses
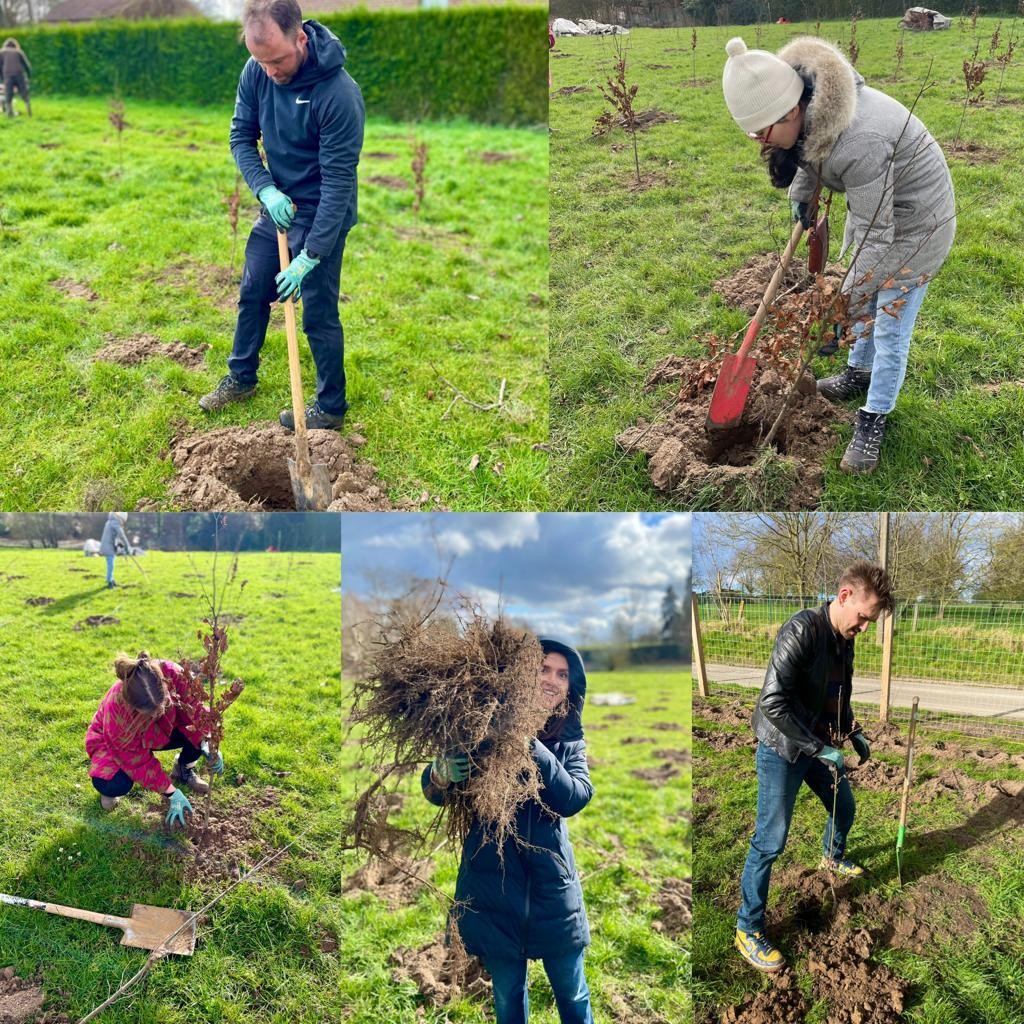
766	133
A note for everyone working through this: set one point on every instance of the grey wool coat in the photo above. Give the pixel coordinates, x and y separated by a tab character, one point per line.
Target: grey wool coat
901	212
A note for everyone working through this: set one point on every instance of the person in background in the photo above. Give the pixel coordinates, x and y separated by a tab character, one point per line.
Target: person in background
14	71
113	534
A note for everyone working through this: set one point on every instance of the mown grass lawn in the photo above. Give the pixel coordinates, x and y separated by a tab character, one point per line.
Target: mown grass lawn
458	291
966	853
632	837
259	957
631	273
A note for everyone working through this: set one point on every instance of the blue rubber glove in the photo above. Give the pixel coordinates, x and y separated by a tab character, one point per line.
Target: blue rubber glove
179	808
451	769
278	205
860	744
215	763
289	281
801	212
832	757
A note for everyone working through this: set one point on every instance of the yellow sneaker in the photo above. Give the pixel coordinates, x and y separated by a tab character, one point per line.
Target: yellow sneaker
842	866
758	951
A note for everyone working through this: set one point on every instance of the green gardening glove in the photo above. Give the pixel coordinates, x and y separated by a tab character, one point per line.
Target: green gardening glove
451	769
802	213
832	758
179	808
215	762
289	281
278	205
860	744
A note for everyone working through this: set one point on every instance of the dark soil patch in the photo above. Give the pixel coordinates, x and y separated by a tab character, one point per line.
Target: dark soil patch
667	727
657	776
389	181
644	119
239	468
381	156
50	145
734	713
140	347
614	717
572	90
96	620
648	180
9	577
37	601
729	467
214	282
783	1003
877	775
21	1001
490	156
674	756
432	970
676	902
637	739
74	289
720	740
397	881
560	56
972	153
179	593
75	568
693	83
744	288
658	67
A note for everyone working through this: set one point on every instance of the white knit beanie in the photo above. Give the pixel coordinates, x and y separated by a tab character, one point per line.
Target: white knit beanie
759	87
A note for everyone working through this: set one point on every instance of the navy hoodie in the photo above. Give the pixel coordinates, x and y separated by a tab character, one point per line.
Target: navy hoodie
531	906
312	130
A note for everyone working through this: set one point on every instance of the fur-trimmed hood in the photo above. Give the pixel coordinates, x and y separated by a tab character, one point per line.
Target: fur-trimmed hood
834	103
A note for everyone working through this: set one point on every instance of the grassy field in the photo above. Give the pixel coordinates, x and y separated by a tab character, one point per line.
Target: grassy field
967	645
459	291
952	932
631	273
253	962
633	836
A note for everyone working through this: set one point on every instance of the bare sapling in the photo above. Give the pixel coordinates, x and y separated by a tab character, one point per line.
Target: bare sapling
116	118
693	55
419	167
619	94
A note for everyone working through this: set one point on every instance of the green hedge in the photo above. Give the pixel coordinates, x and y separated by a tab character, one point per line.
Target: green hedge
483	63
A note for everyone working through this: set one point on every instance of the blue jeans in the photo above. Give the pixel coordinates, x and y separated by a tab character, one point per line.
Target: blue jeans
778	783
321	290
885	347
110	568
512	1002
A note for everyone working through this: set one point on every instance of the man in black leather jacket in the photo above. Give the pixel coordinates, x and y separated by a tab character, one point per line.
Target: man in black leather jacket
802	718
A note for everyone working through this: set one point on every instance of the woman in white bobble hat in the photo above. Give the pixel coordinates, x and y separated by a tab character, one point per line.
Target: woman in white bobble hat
813	115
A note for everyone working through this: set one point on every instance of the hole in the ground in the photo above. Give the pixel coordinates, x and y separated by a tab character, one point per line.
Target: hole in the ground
265	484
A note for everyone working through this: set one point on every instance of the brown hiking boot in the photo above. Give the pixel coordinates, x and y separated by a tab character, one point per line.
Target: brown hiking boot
186	775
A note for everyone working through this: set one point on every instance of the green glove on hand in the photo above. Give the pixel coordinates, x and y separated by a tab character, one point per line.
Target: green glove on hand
832	757
179	807
801	212
278	205
451	769
860	744
289	281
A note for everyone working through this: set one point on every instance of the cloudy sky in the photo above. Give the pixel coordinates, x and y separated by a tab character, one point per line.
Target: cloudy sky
568	574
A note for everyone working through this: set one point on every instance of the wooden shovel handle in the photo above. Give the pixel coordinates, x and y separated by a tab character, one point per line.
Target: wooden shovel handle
109	920
298	410
905	801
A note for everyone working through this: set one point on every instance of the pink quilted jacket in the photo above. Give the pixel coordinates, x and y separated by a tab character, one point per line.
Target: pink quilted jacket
113	743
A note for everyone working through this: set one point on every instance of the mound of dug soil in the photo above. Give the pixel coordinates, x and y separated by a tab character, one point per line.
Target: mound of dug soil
396	881
140	347
21	1001
783	1003
96	620
744	288
37	602
239	468
685	458
432	969
657	776
676	902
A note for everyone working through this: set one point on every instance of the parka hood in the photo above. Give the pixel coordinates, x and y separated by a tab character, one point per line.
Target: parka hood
834	103
326	56
573	729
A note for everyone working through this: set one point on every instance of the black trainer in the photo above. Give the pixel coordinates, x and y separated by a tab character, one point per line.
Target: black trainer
226	392
186	775
862	453
851	383
316	418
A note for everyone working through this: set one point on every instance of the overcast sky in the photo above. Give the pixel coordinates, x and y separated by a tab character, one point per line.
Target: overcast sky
567	574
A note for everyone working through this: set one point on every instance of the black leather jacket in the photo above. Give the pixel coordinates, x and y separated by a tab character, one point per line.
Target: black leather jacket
796	684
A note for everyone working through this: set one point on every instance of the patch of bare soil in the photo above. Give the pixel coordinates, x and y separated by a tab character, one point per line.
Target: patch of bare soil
673	755
491	156
648	180
734	713
21	1001
381	156
140	347
397	881
974	153
37	601
560	56
744	288
783	1003
676	902
74	289
684	457
667	726
572	90
644	119
96	620
658	67
390	181
239	468
432	969
720	740
217	283
637	739
179	593
658	776
877	775
693	83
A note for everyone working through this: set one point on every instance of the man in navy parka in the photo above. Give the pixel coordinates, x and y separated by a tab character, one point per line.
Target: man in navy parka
527	904
294	92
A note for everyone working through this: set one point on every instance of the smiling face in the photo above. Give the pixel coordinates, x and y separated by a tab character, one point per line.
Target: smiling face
853	610
279	55
553	680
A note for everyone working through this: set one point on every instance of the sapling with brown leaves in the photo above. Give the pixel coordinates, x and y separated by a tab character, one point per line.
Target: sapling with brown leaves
854	48
419	167
619	94
899	57
693	55
1004	60
975	71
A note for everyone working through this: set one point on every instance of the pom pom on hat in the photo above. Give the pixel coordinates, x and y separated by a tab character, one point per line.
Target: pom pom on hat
735	47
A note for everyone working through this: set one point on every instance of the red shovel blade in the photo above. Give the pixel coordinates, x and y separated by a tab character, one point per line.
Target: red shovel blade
730	394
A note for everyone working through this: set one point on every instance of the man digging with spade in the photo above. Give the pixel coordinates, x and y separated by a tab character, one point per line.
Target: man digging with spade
295	93
802	717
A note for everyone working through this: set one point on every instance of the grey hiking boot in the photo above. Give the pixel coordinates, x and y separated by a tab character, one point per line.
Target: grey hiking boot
226	392
851	383
863	451
108	803
316	418
186	775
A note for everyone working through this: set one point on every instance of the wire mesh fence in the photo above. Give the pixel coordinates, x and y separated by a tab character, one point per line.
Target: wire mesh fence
965	660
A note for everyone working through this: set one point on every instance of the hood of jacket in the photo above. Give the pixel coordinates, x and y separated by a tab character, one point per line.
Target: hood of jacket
834	104
573	729
325	57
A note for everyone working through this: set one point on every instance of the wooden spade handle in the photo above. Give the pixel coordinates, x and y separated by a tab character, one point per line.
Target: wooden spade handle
298	410
905	801
109	920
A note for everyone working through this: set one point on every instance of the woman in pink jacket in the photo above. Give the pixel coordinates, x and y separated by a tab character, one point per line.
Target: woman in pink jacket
144	711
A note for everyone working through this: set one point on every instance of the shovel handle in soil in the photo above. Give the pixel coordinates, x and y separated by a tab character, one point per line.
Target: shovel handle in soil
109	920
298	409
905	800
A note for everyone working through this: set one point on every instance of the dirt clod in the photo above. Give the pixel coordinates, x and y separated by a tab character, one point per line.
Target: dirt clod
74	289
744	288
783	1003
20	998
96	620
659	776
432	969
38	601
676	902
572	90
140	347
397	881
